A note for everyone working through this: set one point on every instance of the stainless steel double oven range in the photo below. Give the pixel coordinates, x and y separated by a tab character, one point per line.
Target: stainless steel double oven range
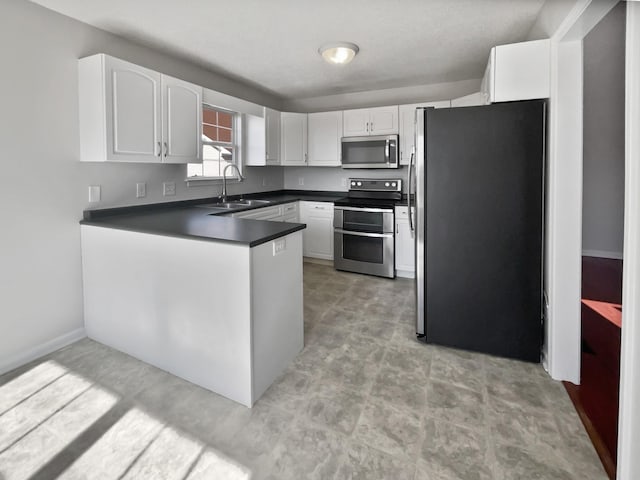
364	227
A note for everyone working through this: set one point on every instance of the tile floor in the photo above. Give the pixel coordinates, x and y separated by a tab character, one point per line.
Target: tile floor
363	400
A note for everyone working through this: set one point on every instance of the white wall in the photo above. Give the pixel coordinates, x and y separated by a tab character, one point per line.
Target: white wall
44	186
389	96
603	145
551	15
334	178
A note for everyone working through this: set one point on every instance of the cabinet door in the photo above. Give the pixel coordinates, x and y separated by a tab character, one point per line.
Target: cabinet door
272	136
255	141
355	122
289	212
318	236
325	131
265	213
293	146
133	112
383	120
405	250
182	125
407	132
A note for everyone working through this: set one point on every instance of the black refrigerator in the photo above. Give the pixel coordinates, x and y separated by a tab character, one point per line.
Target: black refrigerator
479	217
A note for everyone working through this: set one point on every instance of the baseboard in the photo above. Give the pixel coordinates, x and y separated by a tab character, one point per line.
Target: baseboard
405	274
602	254
319	261
8	364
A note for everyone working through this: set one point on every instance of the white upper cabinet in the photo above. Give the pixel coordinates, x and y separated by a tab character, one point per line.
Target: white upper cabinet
407	115
371	121
293	144
518	71
324	133
272	133
356	122
129	113
182	122
384	120
262	138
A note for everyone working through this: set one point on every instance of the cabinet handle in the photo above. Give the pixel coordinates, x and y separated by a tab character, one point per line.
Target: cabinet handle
371	127
166	149
367	127
159	149
397	228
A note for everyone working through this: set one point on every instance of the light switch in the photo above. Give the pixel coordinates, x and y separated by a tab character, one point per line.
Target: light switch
94	193
141	190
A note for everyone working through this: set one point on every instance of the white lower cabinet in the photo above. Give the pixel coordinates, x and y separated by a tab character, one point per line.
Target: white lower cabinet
287	212
318	236
405	249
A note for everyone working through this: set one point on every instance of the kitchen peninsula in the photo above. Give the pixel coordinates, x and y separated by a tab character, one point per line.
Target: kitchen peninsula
212	299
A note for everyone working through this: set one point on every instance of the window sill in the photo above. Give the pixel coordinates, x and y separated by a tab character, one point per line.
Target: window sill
207	181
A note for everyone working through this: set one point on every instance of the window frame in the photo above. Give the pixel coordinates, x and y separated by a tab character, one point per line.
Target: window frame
235	146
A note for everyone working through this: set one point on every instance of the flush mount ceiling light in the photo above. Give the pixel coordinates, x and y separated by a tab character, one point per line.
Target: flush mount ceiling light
339	53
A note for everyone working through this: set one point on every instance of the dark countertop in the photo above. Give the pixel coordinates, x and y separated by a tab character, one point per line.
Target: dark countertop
189	219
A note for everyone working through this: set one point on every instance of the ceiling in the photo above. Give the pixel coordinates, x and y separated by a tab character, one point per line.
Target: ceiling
273	44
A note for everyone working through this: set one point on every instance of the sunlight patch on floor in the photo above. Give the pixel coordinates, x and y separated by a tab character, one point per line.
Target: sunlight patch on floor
26	456
50	414
28	383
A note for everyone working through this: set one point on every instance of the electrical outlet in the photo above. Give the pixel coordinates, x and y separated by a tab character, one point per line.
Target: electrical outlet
94	193
265	183
168	188
300	181
141	190
344	182
279	246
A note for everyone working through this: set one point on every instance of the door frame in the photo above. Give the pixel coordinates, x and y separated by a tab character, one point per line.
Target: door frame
629	418
563	243
561	354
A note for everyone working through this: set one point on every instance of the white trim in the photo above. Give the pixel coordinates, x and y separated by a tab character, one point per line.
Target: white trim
319	261
8	364
406	273
602	254
564	229
564	203
629	418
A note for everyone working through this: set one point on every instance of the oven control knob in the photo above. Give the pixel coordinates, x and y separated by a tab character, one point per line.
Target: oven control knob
353	184
386	184
359	184
393	184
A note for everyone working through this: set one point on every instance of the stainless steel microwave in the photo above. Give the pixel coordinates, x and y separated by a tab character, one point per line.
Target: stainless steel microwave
379	151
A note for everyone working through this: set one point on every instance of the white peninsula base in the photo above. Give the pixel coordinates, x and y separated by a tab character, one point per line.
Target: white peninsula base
225	316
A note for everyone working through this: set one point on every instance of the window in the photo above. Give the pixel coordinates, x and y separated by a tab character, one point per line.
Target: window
219	149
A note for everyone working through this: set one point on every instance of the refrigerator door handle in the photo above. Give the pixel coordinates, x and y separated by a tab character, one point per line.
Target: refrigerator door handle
413	153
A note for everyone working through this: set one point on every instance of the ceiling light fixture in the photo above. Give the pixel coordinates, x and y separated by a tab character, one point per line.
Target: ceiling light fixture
339	53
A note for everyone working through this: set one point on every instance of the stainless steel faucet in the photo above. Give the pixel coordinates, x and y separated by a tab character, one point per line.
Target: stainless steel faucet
224	179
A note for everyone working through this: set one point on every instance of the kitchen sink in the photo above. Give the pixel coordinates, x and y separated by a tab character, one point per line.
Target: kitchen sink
235	204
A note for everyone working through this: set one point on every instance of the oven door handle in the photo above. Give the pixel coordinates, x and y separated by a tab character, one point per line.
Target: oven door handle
364	234
358	209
